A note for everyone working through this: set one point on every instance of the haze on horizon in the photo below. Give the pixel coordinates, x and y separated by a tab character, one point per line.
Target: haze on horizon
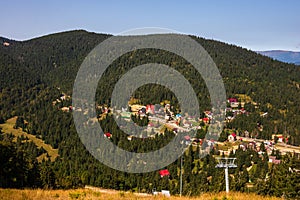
256	25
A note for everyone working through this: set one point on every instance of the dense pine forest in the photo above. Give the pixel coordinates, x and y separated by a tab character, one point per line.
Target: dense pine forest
36	72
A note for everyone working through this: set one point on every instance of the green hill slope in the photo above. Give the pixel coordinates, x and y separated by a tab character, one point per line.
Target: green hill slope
35	73
53	61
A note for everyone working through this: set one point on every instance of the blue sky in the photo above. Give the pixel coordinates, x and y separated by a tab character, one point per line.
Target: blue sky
253	24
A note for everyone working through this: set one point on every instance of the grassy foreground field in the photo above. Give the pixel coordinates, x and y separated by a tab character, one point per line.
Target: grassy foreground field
27	194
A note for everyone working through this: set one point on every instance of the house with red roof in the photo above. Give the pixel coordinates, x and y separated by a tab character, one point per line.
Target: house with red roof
187	137
205	120
232	137
232	100
150	109
108	135
279	137
164	172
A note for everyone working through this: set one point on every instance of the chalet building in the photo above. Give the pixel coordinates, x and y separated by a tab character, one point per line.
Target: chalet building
205	120
135	108
6	44
232	100
164	172
279	137
65	109
243	147
252	145
211	143
150	109
234	104
232	137
108	135
187	138
208	114
151	124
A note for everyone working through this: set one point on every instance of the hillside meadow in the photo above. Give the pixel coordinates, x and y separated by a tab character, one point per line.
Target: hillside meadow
8	127
30	194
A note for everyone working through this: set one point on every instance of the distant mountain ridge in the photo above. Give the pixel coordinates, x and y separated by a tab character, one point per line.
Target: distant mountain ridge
284	56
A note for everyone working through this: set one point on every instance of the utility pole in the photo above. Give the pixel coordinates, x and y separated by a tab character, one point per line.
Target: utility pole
226	163
181	163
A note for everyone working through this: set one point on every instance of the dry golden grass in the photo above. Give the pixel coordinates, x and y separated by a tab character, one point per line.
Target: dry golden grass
14	194
8	127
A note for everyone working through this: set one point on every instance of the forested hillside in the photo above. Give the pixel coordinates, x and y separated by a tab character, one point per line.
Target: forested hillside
36	72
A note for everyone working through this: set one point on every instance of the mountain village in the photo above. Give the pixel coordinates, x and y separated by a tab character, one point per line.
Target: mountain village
161	117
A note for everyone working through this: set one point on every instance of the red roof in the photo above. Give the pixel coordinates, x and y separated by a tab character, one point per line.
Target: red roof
151	124
150	107
232	100
108	135
187	137
205	119
164	172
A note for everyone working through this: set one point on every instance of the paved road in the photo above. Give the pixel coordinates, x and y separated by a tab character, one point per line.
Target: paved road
280	146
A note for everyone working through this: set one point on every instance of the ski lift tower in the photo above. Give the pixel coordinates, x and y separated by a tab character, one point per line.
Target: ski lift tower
226	163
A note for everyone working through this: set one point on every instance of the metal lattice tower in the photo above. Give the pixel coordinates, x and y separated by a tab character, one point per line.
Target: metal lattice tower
226	163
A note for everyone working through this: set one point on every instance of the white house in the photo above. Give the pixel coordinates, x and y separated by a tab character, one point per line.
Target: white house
232	137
